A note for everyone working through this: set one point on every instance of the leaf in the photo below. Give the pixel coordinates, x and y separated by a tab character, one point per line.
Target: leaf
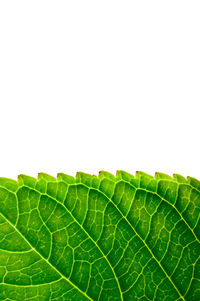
100	238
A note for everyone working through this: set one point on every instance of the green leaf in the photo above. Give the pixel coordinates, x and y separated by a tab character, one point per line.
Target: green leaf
100	238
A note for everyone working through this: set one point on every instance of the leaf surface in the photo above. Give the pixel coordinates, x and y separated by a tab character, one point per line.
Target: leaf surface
103	237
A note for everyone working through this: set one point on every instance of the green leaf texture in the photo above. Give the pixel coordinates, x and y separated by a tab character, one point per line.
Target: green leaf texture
102	237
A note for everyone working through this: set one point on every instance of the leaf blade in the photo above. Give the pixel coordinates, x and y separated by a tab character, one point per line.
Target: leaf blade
120	229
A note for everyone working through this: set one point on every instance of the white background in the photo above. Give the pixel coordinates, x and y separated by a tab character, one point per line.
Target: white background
99	85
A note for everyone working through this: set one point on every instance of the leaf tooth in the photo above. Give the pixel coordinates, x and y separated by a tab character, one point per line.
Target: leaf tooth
82	175
179	178
9	183
88	179
46	177
123	175
65	178
143	174
26	180
105	174
194	182
162	176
